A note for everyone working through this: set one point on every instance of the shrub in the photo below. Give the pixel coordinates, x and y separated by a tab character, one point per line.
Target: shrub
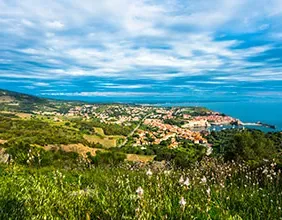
107	158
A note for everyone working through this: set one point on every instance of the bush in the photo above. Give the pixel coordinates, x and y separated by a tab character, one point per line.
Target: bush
107	158
251	146
26	154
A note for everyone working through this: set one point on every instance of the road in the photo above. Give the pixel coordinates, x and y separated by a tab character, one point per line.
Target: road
133	131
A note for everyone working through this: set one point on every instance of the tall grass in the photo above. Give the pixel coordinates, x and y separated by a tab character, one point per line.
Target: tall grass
210	190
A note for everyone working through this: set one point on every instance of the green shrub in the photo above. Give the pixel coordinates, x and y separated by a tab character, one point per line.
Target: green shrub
107	158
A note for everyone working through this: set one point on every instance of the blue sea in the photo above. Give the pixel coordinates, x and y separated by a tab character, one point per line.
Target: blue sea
266	112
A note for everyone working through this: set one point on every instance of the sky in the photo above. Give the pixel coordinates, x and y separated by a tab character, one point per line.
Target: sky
139	50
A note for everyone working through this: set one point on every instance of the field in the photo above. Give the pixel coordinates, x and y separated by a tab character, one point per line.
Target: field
6	99
141	158
99	131
208	191
106	140
78	148
18	114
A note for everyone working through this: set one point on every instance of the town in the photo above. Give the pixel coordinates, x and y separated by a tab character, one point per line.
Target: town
154	125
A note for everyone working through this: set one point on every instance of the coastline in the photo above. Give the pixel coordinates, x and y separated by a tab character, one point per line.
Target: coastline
250	112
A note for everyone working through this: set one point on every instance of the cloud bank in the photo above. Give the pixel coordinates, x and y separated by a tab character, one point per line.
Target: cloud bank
196	49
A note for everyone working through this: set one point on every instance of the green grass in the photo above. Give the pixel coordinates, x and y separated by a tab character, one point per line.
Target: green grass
99	131
110	193
106	141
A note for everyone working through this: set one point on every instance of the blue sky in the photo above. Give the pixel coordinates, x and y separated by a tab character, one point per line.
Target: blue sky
137	50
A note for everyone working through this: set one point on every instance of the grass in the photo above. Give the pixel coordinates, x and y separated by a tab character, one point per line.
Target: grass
140	158
78	148
18	114
99	131
83	150
106	140
230	191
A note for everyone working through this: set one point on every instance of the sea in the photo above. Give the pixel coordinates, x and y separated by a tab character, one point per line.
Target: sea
247	112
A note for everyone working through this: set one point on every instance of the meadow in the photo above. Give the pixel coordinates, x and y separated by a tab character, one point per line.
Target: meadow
49	170
211	189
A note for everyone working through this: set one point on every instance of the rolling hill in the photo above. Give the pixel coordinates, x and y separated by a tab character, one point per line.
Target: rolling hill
19	102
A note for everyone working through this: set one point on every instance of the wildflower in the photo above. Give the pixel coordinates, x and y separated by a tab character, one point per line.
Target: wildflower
204	180
167	172
209	151
149	173
269	176
182	202
181	180
273	165
187	182
209	192
140	191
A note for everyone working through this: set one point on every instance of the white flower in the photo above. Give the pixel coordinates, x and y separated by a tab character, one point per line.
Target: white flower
182	202
209	151
273	164
167	172
204	179
265	171
181	180
140	191
187	182
149	173
209	191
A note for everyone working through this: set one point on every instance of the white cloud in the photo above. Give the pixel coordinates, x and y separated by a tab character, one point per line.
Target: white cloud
55	24
121	86
41	84
125	39
107	94
27	23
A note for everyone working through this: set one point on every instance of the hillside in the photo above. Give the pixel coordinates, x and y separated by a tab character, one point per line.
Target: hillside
19	102
69	160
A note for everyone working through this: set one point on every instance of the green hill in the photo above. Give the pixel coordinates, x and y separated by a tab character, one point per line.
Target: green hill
19	102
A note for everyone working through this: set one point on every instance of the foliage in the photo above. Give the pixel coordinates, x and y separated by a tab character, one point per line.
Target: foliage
183	156
107	158
178	123
252	146
87	127
26	154
36	131
214	190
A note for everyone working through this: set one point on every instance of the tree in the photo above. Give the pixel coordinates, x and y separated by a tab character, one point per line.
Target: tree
251	147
